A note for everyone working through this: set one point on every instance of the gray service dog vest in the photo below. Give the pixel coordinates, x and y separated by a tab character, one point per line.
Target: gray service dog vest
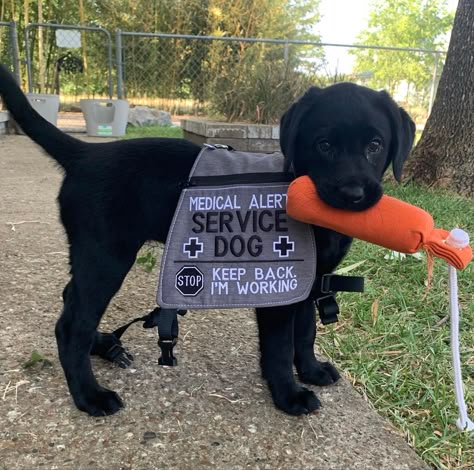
231	243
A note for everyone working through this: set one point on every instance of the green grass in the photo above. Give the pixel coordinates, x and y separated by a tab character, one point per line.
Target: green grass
393	340
153	131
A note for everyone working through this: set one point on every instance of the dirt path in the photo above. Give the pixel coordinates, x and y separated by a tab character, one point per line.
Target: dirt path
212	411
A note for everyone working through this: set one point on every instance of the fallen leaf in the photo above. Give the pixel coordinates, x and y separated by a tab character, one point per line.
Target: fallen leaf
374	311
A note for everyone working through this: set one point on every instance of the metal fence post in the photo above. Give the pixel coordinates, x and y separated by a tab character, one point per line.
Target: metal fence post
15	51
118	54
28	59
286	52
110	56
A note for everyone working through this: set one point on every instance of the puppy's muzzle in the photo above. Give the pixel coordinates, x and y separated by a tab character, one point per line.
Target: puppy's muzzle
352	193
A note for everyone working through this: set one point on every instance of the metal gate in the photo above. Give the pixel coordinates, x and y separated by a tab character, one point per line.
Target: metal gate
76	61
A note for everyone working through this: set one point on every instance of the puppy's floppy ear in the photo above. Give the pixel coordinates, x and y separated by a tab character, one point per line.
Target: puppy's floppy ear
287	130
406	137
403	135
290	123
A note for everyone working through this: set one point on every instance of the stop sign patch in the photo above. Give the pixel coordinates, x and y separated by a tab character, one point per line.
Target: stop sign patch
189	281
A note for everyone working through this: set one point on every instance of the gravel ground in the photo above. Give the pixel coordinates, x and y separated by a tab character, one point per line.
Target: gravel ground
212	411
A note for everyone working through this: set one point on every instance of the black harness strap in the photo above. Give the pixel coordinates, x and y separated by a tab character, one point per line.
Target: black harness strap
336	283
325	294
149	320
166	320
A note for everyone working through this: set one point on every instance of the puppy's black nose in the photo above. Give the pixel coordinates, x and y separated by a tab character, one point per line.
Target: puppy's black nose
352	193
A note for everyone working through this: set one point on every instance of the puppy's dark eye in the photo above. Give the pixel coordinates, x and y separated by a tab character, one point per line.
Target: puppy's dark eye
375	146
324	146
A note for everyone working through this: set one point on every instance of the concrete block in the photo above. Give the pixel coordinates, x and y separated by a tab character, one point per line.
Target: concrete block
263	145
276	132
245	137
256	131
231	131
4	119
195	126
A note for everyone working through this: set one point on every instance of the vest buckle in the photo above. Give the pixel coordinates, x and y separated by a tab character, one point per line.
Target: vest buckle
328	308
167	358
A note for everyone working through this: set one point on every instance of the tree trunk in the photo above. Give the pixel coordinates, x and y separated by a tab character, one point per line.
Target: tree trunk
444	157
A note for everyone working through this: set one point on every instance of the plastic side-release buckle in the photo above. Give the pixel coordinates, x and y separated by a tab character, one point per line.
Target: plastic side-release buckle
328	308
168	329
167	358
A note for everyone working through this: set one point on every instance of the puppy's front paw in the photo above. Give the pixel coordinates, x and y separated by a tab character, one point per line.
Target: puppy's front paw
100	402
320	373
294	399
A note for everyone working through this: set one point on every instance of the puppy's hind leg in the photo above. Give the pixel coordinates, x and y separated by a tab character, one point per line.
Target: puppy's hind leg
96	276
310	370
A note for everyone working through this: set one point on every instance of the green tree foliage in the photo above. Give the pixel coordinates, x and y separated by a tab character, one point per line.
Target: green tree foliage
238	80
255	81
420	24
232	79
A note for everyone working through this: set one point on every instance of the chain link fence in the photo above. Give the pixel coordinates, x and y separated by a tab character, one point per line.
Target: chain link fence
257	79
72	61
228	78
9	55
379	68
232	78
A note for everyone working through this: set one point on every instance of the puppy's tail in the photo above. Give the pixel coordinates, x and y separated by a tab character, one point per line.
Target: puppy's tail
62	147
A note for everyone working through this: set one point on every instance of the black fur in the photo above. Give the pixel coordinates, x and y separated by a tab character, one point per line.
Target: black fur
115	196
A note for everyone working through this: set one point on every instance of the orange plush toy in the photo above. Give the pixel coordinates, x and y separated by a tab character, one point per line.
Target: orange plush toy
402	227
390	223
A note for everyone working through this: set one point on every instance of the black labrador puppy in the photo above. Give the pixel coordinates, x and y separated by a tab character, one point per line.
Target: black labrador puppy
115	196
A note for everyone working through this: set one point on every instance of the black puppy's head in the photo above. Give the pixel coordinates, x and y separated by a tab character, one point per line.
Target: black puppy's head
344	137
